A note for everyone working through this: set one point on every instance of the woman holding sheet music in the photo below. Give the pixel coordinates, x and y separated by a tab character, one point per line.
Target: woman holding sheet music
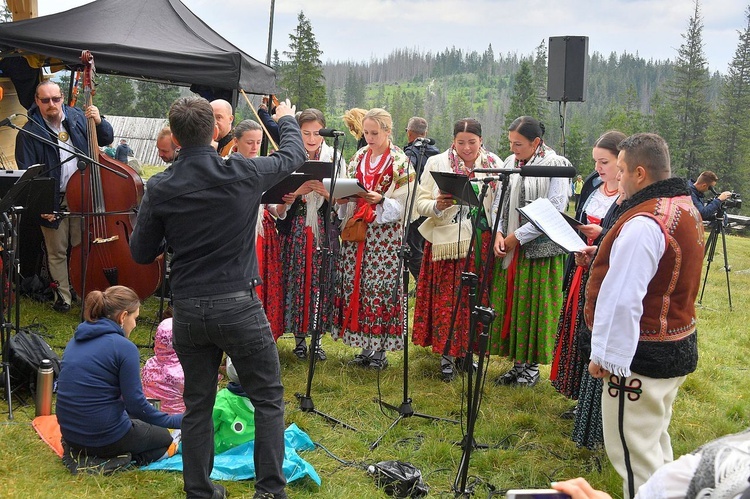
300	229
527	288
569	374
248	136
367	309
448	235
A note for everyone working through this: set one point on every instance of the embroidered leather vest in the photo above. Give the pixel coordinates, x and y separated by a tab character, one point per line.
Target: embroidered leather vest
667	345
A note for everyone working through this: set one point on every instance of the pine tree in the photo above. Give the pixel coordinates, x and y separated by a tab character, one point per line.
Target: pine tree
354	91
627	117
524	100
577	150
730	131
539	70
155	99
115	95
688	93
302	75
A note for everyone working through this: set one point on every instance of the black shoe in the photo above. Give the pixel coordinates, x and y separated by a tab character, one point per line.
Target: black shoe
378	364
570	413
320	354
509	378
220	492
527	378
263	495
360	360
300	350
61	306
447	372
462	365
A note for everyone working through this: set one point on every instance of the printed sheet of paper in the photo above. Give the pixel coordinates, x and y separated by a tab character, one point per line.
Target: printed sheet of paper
344	187
546	218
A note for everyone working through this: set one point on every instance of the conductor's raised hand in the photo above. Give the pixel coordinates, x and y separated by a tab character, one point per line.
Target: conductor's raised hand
284	109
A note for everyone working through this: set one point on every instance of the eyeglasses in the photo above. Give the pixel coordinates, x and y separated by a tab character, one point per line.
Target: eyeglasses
46	100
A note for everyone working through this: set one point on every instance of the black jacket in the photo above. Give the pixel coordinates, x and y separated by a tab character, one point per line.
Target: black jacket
207	209
413	154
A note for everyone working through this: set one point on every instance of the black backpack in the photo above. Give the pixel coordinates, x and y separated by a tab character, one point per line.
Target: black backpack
26	352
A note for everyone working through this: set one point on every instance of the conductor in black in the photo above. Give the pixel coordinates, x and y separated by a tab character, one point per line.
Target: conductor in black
205	208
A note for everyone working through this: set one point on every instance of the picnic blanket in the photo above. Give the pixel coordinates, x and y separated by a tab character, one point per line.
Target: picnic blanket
234	464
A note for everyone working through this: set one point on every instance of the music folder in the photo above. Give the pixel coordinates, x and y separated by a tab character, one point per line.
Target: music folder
33	193
344	187
545	217
456	185
289	184
318	169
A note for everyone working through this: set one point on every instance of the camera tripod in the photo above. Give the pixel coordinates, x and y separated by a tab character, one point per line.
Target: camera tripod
718	226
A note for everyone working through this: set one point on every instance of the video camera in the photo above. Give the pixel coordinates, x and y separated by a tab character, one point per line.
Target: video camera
733	201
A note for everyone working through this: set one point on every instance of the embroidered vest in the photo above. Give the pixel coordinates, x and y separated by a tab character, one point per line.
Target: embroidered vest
667	346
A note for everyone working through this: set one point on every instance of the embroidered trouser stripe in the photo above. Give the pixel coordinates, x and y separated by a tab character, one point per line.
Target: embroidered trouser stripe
636	412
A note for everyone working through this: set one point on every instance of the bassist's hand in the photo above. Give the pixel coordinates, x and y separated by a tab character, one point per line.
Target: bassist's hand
93	113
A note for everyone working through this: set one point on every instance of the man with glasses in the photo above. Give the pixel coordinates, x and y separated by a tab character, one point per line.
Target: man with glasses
66	126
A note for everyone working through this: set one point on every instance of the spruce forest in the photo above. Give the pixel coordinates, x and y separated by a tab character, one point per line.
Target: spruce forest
703	116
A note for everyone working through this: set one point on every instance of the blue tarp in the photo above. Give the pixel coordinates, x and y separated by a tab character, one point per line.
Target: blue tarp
237	463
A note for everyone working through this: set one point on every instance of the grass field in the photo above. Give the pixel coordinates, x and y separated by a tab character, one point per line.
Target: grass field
529	443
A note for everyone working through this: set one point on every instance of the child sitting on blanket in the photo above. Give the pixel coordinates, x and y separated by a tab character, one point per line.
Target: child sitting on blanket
162	375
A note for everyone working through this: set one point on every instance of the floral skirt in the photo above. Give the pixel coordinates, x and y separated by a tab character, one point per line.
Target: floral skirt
437	292
588	430
301	275
527	314
271	292
367	305
569	363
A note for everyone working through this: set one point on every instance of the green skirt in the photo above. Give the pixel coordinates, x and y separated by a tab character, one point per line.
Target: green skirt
531	313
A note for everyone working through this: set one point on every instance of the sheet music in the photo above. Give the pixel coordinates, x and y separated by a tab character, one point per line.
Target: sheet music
345	187
546	218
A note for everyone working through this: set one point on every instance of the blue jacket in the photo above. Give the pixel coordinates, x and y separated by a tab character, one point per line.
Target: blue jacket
30	151
206	208
99	388
707	210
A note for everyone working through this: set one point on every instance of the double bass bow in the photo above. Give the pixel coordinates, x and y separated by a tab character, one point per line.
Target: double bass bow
108	204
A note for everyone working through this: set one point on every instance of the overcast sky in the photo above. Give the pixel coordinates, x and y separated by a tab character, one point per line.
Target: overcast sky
358	30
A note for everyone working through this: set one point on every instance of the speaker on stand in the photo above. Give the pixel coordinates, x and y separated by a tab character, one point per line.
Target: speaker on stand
567	73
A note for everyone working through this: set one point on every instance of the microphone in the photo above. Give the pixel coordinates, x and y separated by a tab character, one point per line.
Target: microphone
484	179
548	171
534	171
7	121
330	132
423	141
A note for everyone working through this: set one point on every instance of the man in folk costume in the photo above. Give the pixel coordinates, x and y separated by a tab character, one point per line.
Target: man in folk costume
640	308
224	118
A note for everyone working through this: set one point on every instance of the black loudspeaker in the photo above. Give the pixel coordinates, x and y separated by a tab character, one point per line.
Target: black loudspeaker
567	68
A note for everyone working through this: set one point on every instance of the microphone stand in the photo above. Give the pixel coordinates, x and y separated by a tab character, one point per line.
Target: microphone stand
405	410
323	253
10	280
83	162
486	315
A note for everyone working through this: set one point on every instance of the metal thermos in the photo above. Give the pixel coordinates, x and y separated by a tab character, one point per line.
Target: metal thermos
45	377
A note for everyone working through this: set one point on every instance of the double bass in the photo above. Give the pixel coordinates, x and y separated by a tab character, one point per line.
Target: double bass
108	205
